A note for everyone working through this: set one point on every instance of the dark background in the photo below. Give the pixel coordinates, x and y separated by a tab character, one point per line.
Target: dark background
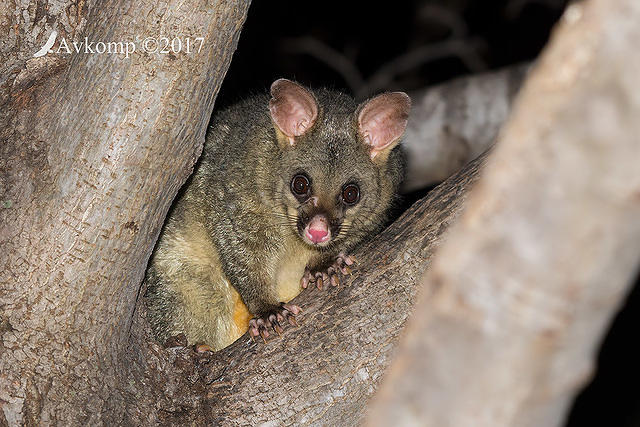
287	39
367	47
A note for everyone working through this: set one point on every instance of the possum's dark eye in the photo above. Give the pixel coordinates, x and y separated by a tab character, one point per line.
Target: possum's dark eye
350	194
300	185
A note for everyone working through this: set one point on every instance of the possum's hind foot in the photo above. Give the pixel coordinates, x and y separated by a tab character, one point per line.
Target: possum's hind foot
273	320
341	265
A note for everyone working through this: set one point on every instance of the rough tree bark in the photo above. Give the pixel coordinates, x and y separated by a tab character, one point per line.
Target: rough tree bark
94	148
517	299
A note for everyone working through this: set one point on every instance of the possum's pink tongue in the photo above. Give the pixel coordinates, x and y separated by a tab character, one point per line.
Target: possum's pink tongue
318	229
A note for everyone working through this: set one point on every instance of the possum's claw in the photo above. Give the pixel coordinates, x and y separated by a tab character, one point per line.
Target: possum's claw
258	328
201	348
317	277
273	320
343	262
331	275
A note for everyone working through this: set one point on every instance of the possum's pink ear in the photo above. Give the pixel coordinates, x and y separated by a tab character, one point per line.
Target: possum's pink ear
293	108
382	121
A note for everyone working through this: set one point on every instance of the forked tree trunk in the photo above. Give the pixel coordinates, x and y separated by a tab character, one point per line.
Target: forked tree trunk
94	148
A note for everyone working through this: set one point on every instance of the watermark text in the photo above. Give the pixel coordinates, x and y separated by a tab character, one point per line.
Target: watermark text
153	45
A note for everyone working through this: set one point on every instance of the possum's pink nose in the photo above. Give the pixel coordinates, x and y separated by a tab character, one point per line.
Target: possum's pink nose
318	236
318	229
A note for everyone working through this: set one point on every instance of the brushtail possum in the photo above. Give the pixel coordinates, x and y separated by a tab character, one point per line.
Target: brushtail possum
287	184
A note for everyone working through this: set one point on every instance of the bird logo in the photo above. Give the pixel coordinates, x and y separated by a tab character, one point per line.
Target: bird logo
47	46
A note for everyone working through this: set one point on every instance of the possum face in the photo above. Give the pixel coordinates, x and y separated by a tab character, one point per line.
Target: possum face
338	169
325	206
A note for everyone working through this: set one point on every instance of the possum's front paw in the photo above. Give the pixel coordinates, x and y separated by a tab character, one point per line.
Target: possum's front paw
273	319
331	274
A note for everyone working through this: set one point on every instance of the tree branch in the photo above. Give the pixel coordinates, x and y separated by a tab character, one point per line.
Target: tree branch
452	123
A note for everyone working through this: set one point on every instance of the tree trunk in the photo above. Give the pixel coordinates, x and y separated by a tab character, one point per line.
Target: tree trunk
517	299
94	148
